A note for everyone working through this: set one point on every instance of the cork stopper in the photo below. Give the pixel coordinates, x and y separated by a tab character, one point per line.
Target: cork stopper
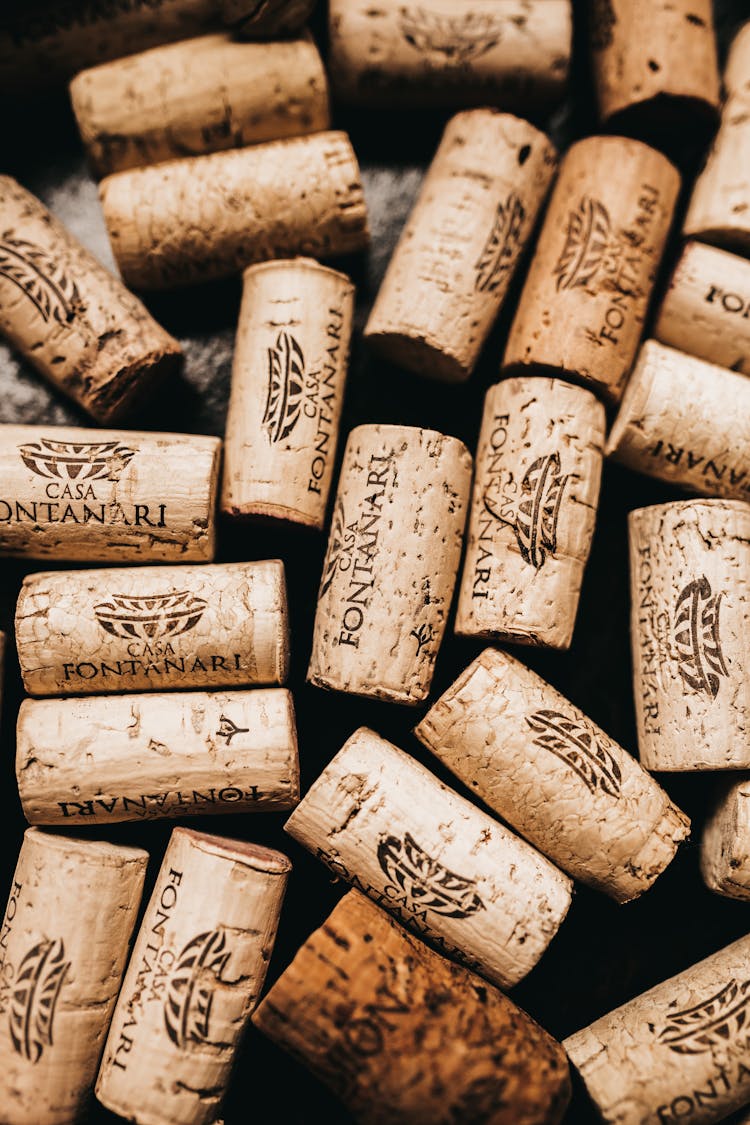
725	843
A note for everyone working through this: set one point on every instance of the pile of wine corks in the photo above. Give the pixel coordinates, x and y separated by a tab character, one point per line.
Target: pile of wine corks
457	797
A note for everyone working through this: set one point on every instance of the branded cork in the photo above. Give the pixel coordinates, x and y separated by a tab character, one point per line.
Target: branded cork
706	309
70	318
462	243
655	66
153	628
207	217
682	420
444	868
111	758
676	1053
511	53
66	936
392	560
690	633
123	497
402	1036
197	970
533	510
586	295
725	843
263	19
290	366
719	208
533	757
201	95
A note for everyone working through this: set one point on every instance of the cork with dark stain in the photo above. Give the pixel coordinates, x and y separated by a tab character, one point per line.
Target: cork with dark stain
266	19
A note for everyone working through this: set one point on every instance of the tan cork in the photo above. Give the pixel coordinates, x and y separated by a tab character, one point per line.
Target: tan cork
267	18
725	843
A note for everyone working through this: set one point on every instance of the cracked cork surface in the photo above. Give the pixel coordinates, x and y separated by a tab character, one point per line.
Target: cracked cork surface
447	870
197	969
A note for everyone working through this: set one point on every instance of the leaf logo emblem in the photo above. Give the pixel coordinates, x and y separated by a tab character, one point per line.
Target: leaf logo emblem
455	39
335	547
40	278
426	882
80	460
286	382
712	1023
538	510
697	638
501	248
588	239
578	745
187	1009
36	990
150	618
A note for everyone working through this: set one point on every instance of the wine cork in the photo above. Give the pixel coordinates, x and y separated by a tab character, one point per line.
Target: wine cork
146	629
458	253
197	970
392	560
690	633
444	868
725	843
511	53
263	19
706	309
66	937
290	365
211	216
586	295
533	510
201	95
676	1052
554	776
682	420
719	208
111	758
655	66
70	318
374	1014
124	497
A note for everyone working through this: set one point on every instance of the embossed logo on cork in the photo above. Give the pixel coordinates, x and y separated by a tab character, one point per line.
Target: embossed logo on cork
81	461
286	383
152	617
339	540
189	999
534	516
502	245
578	745
588	238
452	39
228	729
427	884
40	278
709	1024
696	633
36	991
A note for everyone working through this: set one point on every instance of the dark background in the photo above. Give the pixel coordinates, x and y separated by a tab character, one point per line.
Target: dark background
604	953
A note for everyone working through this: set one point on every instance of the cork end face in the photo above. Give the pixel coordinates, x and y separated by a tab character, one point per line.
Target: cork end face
120	397
558	636
658	121
368	691
267	860
292	266
263	514
99	853
418	355
523	364
735	239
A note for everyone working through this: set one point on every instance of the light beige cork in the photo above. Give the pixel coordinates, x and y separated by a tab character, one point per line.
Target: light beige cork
103	759
533	509
65	941
554	776
201	95
678	1052
70	318
690	634
684	421
86	632
124	496
208	217
403	1036
719	208
511	53
291	360
725	843
460	248
586	295
441	866
706	309
392	561
196	973
655	64
264	19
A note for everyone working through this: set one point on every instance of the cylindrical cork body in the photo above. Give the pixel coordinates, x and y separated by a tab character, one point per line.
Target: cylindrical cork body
66	937
725	844
554	776
706	310
511	53
533	509
676	1053
143	757
690	634
404	1037
719	208
263	19
393	555
443	867
87	632
289	371
655	65
201	95
684	421
196	973
70	318
586	295
211	216
124	497
459	250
